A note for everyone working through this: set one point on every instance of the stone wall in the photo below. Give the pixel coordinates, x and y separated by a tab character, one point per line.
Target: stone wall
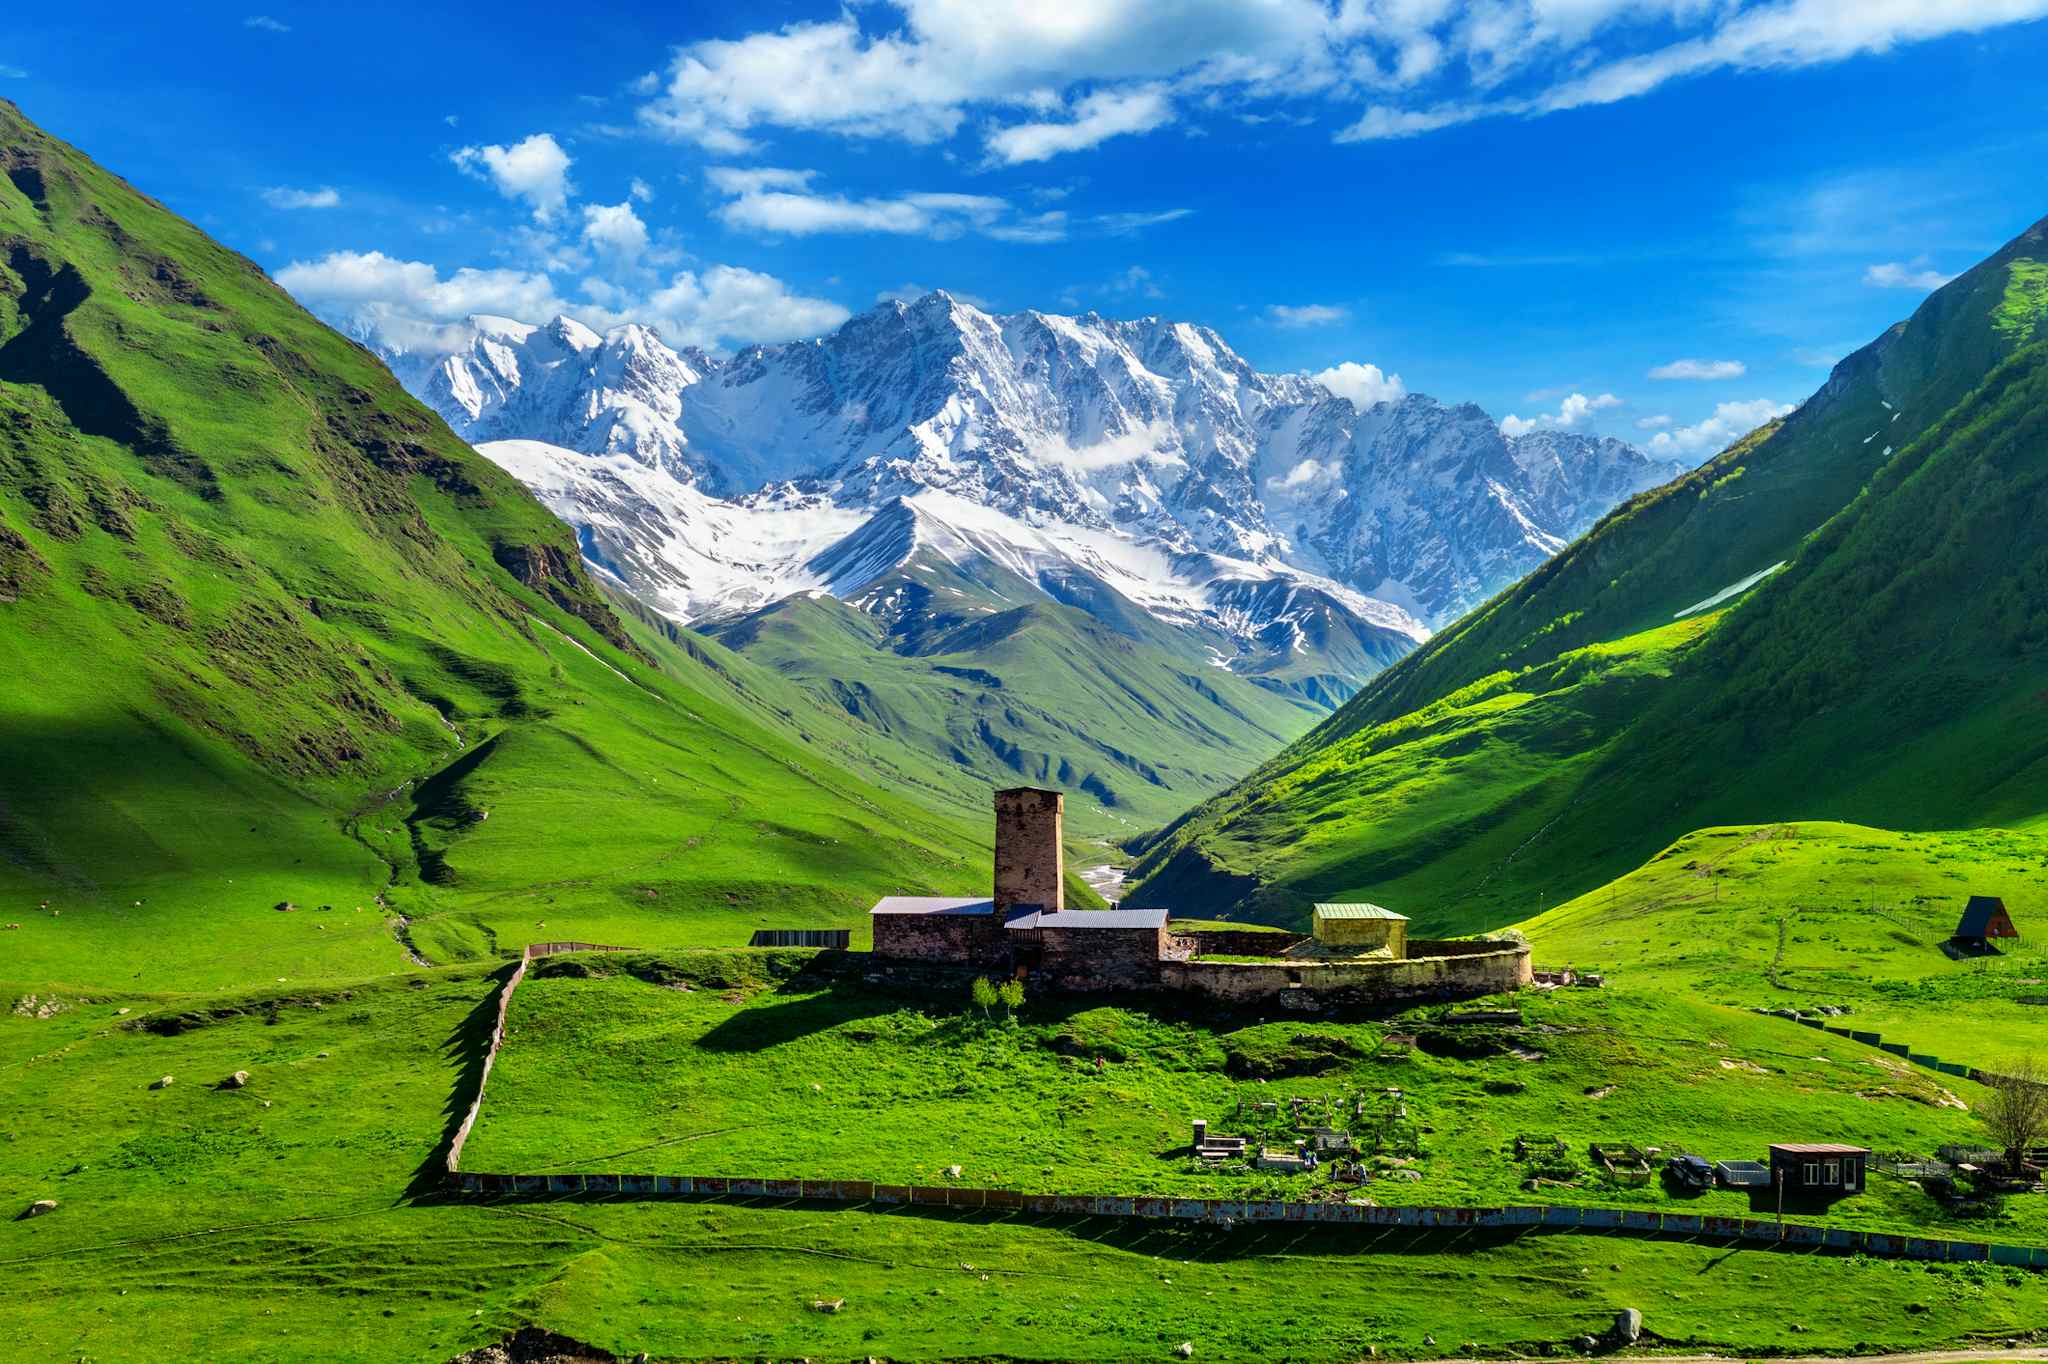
948	939
1495	969
1030	858
1238	942
1099	958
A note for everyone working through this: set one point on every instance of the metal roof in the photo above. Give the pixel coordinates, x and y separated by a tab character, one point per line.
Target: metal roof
1091	918
1978	916
1818	1148
1358	912
934	904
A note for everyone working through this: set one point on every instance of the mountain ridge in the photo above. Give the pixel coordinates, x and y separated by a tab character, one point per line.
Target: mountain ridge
1841	616
1148	428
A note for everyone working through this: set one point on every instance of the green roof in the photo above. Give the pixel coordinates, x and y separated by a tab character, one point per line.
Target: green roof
1358	912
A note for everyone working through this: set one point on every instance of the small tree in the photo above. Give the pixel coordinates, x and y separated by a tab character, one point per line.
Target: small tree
2015	1113
1011	992
984	993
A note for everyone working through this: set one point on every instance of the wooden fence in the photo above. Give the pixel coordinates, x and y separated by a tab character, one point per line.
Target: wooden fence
1906	1053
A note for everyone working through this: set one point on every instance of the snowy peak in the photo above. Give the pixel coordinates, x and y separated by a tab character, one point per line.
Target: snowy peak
1033	440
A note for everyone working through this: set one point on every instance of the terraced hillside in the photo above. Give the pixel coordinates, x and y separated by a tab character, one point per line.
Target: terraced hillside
1844	616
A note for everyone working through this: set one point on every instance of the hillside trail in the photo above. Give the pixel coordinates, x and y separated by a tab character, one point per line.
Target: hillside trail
1915	1356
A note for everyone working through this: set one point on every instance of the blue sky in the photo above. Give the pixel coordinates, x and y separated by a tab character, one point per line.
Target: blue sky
1538	205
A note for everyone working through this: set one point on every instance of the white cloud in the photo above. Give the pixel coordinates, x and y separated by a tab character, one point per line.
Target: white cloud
1656	423
1364	385
283	196
1305	315
780	200
1038	81
1700	369
410	304
409	301
1576	410
13	73
1307	474
1137	280
728	303
1898	275
1730	422
615	230
266	24
640	190
921	65
535	170
1097	118
1528	58
1128	224
1155	441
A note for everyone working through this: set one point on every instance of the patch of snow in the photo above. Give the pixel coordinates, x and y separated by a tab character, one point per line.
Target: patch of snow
1732	590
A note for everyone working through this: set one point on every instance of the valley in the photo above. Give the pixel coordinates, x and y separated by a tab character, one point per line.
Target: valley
442	762
931	492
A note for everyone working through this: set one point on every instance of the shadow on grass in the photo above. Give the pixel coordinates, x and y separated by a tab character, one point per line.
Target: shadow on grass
830	993
466	1046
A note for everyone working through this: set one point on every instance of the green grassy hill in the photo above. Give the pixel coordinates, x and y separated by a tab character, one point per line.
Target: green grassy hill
312	715
1808	915
278	638
975	678
1889	673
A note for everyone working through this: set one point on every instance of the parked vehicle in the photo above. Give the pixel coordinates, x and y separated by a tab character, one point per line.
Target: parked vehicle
1689	1173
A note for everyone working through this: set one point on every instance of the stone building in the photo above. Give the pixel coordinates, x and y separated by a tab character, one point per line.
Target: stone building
1362	927
1359	953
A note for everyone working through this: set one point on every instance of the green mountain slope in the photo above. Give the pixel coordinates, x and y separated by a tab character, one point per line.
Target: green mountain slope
275	637
973	677
1890	673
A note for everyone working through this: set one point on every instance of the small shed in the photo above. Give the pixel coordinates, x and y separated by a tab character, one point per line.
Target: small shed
1818	1169
1984	918
1362	926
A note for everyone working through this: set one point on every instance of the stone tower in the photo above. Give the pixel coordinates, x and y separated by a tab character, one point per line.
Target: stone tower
1030	860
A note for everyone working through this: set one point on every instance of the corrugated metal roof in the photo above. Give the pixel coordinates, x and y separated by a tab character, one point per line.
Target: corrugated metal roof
1092	918
934	904
1358	912
1818	1148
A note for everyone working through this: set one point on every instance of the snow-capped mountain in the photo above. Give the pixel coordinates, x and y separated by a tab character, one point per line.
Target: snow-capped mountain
620	393
1145	456
694	557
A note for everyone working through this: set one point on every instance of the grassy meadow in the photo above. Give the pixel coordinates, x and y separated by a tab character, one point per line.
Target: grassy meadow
1862	913
716	1064
298	1232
